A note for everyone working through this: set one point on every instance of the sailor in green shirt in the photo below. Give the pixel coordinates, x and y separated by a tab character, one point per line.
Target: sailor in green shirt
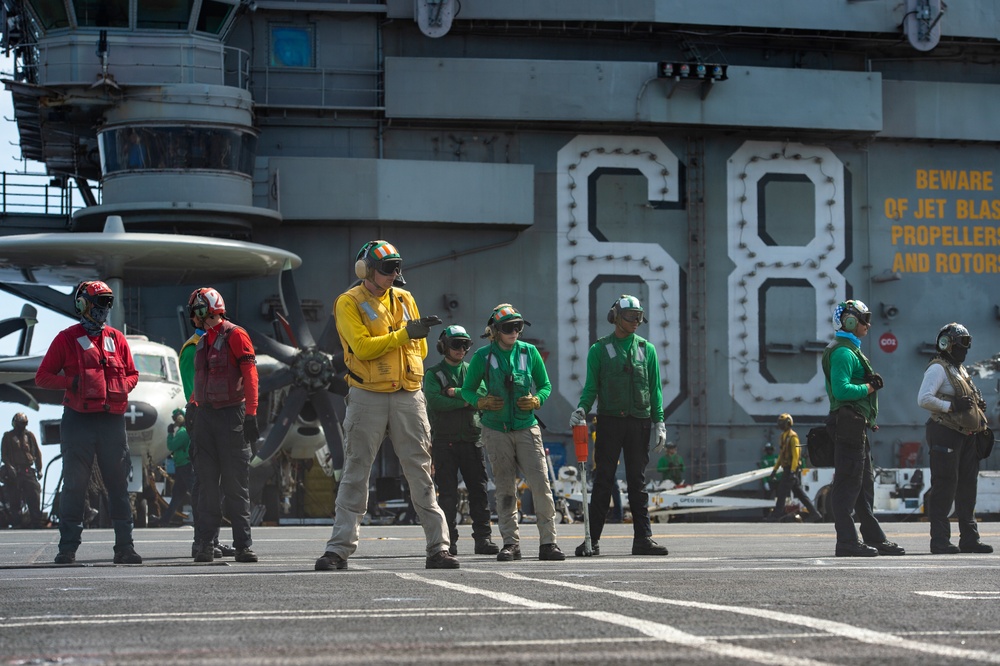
178	442
510	369
671	465
455	442
623	376
851	385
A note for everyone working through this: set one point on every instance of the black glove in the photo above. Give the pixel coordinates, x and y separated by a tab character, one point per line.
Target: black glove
190	416
76	384
981	404
250	431
420	328
876	381
171	428
961	404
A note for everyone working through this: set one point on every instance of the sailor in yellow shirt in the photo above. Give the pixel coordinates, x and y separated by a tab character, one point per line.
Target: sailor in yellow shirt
385	342
790	464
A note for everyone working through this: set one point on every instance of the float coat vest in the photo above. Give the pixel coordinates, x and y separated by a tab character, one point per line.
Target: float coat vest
218	380
402	367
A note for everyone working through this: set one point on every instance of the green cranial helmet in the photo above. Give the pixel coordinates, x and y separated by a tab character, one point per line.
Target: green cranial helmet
626	304
454	337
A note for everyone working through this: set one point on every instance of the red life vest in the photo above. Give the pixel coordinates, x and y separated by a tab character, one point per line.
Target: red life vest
218	380
103	386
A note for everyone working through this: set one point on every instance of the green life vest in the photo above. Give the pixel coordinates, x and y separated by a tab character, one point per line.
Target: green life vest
866	406
623	383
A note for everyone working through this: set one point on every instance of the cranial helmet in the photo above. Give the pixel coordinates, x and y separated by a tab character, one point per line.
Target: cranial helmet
785	421
622	303
91	293
450	333
953	336
502	314
93	300
206	301
19	418
848	314
381	256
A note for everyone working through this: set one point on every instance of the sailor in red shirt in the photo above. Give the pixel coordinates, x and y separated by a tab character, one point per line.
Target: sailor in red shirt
225	392
92	363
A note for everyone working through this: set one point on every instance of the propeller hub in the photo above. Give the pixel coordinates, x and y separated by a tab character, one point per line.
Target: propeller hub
312	369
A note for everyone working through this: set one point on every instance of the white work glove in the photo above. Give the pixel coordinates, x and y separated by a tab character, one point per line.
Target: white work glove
661	435
578	417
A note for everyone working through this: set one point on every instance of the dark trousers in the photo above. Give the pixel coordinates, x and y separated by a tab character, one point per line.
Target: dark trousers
450	458
222	463
85	436
954	478
791	482
25	489
179	493
853	479
617	435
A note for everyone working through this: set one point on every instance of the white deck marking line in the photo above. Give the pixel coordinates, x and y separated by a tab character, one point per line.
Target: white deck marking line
859	634
233	616
659	631
953	594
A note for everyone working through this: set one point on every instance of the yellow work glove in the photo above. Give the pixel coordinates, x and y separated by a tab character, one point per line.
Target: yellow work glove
490	403
529	403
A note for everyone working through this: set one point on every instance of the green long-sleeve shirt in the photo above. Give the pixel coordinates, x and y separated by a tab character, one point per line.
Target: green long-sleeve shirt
846	368
509	375
179	444
452	418
623	376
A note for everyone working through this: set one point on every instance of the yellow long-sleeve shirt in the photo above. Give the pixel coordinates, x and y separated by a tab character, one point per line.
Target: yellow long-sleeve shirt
788	456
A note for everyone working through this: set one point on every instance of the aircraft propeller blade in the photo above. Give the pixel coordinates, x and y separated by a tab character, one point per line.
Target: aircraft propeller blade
329	339
16	394
271	347
339	386
275	380
289	412
293	307
8	326
326	409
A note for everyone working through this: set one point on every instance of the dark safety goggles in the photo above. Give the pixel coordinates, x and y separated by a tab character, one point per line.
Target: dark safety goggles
103	300
632	316
964	341
509	327
460	343
390	267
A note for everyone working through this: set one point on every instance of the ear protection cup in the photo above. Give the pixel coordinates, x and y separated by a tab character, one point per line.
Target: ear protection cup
440	346
611	316
361	268
78	300
850	323
944	343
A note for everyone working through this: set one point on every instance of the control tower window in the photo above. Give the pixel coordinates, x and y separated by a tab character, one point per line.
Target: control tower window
213	16
163	14
101	13
51	13
130	149
292	46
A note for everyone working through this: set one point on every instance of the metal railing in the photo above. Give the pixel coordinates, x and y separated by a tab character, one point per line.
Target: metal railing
37	193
